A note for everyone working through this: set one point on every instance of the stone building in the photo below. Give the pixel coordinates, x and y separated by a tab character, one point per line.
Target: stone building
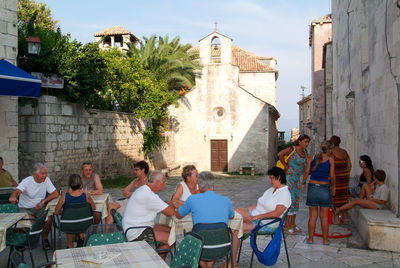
365	102
8	104
116	36
229	118
305	115
320	34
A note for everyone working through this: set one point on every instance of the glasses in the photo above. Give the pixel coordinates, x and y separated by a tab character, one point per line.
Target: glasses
361	161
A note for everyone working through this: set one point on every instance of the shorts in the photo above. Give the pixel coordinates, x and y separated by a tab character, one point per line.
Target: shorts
34	212
319	195
146	233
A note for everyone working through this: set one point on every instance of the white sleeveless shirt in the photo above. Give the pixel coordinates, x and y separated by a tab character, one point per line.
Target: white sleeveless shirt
186	192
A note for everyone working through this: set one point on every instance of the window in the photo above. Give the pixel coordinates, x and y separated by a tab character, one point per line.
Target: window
215	50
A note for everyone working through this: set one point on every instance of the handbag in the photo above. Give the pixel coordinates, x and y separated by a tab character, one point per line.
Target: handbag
271	253
280	164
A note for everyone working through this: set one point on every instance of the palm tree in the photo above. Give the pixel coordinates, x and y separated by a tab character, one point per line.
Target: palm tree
168	61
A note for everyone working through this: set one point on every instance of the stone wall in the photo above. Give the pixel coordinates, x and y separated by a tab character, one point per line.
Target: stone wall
364	96
63	135
9	105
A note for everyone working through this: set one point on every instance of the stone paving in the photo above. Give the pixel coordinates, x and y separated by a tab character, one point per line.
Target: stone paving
244	191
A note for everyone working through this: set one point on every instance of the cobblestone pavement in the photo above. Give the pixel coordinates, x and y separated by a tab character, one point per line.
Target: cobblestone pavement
244	191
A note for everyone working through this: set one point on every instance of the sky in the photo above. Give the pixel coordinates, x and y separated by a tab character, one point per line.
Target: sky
270	28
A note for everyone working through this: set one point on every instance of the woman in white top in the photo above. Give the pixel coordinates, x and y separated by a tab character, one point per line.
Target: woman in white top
272	204
187	187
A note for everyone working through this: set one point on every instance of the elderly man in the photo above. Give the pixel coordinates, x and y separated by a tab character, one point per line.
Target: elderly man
6	179
32	197
92	184
142	209
141	170
208	207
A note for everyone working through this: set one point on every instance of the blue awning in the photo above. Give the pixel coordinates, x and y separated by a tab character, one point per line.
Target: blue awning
17	82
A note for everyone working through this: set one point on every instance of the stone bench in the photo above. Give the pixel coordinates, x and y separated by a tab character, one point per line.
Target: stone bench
380	229
247	166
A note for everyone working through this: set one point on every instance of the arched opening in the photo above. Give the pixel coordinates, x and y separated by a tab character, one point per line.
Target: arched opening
215	50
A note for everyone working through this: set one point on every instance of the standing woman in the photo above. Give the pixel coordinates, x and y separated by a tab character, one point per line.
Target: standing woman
342	174
294	168
319	191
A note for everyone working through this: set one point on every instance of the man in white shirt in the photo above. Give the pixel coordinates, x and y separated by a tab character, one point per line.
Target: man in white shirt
32	197
142	209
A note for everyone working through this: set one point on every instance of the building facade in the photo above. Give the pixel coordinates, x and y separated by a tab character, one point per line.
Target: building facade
229	118
8	104
366	84
116	36
305	115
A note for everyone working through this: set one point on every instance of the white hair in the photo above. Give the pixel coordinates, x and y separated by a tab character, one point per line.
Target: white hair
206	180
155	175
37	167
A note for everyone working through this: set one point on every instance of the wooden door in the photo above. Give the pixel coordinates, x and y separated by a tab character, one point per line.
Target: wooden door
219	155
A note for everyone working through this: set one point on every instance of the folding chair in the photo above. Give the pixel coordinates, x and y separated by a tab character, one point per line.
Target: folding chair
17	261
9	208
21	237
188	252
75	219
265	232
102	234
117	219
150	236
217	241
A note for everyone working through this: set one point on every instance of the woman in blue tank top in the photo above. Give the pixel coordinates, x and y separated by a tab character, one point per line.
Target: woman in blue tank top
319	193
74	195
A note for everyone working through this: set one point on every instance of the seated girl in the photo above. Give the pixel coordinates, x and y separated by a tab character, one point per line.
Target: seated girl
74	195
374	198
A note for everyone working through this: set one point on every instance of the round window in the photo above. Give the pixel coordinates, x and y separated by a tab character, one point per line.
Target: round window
219	113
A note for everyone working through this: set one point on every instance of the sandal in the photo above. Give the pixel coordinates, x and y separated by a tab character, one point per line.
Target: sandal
337	220
290	231
46	244
297	229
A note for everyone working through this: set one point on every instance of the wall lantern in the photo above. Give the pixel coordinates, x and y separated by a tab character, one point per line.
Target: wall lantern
34	45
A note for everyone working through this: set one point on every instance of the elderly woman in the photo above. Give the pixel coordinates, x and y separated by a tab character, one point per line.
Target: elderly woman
187	187
272	204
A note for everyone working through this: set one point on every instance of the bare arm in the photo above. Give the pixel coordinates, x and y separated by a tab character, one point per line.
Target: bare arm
14	183
282	154
127	190
279	209
90	201
14	196
368	175
58	209
52	196
99	186
252	207
176	197
169	211
348	161
308	169
332	175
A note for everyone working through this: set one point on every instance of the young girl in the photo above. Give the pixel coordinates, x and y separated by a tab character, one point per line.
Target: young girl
319	191
74	195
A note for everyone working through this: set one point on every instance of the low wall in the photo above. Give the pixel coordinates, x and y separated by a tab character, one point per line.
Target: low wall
62	135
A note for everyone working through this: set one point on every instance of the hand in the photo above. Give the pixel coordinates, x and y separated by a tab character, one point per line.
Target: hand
303	188
308	158
39	205
333	191
13	200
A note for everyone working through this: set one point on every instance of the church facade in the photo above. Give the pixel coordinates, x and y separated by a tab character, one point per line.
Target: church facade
228	119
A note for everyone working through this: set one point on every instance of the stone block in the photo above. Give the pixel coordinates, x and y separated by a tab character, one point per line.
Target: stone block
49	156
44	109
11	52
38	127
51	137
49	99
26	110
55	109
11	5
2	52
8	15
47	119
13	143
8	40
3	27
66	110
12	118
12	28
36	146
70	145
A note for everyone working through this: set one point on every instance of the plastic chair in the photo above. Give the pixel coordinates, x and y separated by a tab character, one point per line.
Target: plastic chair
75	219
17	261
150	237
27	238
9	208
217	241
105	239
265	232
117	219
188	252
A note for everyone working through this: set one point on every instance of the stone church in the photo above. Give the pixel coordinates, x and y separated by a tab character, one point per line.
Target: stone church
228	119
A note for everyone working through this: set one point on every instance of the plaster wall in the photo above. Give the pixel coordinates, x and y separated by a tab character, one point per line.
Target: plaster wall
322	33
260	84
62	135
365	101
8	104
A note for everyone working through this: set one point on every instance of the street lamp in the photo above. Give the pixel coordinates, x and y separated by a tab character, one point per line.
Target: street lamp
33	45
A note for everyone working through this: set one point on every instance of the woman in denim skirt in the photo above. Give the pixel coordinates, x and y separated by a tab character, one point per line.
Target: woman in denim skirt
320	190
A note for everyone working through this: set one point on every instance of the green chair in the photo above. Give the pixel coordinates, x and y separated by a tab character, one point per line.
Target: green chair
117	219
217	241
17	261
188	252
75	219
26	238
267	231
150	237
105	239
9	208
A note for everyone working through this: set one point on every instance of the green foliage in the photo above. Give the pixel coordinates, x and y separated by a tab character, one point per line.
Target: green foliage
285	145
120	181
168	61
152	140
